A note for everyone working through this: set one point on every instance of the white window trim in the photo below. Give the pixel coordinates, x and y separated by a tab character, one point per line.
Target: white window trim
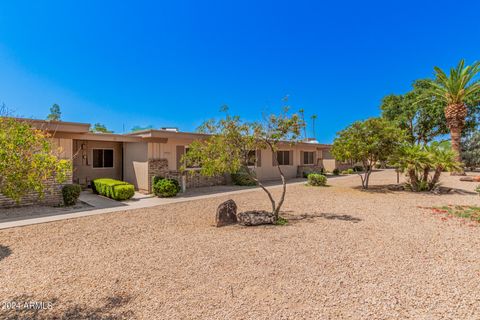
113	158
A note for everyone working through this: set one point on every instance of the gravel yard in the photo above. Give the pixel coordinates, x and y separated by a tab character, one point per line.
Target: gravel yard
345	254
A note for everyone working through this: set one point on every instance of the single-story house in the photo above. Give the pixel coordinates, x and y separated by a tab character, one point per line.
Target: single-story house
137	157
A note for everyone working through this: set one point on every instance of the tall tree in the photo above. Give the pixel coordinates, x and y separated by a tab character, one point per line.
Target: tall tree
369	142
232	141
471	150
100	128
313	117
55	113
454	90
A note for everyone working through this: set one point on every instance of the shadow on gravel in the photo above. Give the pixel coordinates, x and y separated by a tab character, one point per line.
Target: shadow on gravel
4	252
32	308
329	216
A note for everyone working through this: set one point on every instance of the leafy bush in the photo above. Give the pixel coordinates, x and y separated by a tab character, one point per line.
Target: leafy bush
350	171
114	189
344	172
336	172
308	171
358	168
70	193
166	188
315	179
241	178
156	179
478	189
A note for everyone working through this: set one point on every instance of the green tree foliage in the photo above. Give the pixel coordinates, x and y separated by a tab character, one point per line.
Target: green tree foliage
471	150
141	128
27	159
368	142
422	118
229	146
55	113
100	128
418	162
455	91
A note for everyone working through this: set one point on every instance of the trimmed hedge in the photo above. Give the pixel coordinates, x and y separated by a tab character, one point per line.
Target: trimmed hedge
70	193
114	189
157	179
315	179
241	178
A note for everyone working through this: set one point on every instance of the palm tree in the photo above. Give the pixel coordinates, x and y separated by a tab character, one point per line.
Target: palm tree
454	90
414	161
442	159
313	117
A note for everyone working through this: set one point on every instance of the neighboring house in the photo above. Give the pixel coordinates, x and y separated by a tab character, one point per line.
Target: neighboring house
138	156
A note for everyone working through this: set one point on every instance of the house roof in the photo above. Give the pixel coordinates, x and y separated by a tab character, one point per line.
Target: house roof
81	131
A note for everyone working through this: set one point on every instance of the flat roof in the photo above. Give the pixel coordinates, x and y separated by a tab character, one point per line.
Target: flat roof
79	131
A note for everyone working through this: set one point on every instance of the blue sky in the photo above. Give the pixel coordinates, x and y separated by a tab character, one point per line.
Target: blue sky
175	63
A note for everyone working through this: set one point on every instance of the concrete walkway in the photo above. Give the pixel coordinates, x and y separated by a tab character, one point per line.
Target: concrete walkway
100	205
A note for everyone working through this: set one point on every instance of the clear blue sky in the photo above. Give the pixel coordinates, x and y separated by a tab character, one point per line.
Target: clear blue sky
175	63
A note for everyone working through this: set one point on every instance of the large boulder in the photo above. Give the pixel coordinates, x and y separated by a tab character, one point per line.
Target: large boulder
226	213
255	218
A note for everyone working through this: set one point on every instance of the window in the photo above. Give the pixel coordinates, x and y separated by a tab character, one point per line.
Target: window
283	158
103	158
252	157
308	157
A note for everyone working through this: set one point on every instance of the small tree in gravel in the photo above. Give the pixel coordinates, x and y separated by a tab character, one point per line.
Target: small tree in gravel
27	159
232	142
368	142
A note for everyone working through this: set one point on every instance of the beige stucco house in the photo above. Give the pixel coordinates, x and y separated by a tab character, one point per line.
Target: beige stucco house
138	156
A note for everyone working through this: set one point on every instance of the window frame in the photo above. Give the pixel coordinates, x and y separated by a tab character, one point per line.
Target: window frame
284	152
103	158
305	153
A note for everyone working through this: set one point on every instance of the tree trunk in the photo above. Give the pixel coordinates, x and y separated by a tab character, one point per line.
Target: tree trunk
270	197
276	211
413	180
436	177
455	115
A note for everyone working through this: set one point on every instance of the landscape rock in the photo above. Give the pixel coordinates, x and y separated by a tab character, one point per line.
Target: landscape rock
226	213
441	190
255	218
466	178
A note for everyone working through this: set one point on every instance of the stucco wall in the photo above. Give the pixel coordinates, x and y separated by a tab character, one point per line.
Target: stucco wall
136	164
84	172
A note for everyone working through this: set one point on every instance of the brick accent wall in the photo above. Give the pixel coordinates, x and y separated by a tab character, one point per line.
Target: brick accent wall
52	197
159	167
307	169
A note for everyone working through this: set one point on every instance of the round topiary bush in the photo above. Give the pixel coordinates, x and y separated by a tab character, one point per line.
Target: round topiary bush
166	188
350	171
70	193
315	179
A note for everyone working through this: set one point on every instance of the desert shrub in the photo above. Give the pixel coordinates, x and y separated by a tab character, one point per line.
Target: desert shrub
336	172
166	188
344	172
114	189
156	179
478	189
308	171
358	168
70	193
350	171
241	178
315	179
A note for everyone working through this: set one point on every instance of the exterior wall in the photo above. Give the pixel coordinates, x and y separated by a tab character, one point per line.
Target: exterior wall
135	168
157	167
52	197
65	147
84	172
167	151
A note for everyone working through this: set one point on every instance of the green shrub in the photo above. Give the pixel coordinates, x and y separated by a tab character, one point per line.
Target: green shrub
308	171
315	179
336	172
344	172
166	188
358	168
114	189
350	171
241	178
70	193
156	179
478	189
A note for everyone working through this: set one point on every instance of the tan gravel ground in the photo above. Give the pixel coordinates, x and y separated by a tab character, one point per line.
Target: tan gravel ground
346	254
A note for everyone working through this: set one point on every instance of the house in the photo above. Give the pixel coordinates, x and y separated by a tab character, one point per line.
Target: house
137	157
